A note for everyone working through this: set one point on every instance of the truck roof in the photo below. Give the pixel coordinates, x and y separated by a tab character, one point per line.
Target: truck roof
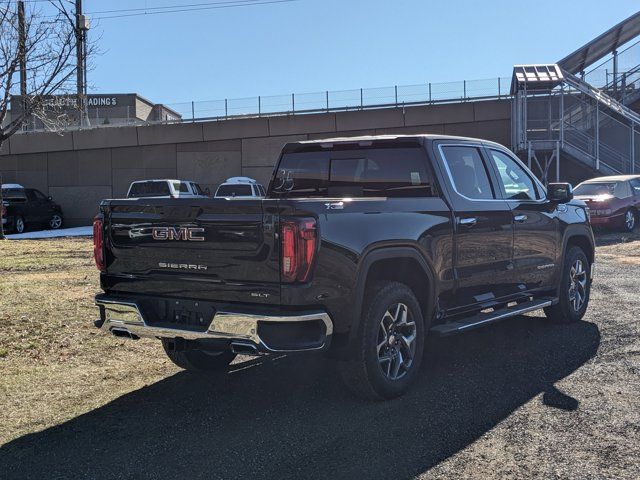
389	138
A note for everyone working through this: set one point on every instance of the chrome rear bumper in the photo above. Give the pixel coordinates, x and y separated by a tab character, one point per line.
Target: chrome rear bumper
125	319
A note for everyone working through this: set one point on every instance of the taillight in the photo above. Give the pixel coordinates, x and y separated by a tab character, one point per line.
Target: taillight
98	243
299	242
4	211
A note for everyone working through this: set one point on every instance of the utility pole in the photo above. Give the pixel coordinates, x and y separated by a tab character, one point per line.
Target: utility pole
82	25
22	40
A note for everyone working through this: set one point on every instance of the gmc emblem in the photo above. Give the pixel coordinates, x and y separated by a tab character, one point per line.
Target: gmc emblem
188	234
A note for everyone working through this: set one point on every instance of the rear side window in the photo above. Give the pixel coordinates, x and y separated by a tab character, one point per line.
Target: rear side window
239	190
635	186
181	187
149	189
376	172
468	172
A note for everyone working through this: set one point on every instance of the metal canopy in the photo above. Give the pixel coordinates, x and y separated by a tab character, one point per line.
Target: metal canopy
536	77
602	45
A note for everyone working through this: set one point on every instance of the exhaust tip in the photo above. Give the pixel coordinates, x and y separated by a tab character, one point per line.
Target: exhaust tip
123	333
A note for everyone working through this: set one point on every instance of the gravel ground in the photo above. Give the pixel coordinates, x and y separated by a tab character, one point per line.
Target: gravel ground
521	399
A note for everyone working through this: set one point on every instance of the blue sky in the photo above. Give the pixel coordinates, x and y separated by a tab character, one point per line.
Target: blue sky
317	45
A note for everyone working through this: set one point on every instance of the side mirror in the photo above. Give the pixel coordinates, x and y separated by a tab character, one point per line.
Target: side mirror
50	198
207	192
559	192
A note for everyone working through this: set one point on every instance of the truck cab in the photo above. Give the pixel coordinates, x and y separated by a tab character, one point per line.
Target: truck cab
361	248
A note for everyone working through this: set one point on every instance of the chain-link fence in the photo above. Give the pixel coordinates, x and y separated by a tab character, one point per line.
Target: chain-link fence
337	100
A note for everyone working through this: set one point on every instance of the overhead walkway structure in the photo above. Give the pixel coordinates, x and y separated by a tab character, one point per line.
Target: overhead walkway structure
575	109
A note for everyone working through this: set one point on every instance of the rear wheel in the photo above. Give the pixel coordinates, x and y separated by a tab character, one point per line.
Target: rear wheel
20	226
629	220
574	290
55	222
198	360
390	344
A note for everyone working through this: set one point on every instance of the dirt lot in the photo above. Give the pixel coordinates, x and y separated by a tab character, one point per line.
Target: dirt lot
520	399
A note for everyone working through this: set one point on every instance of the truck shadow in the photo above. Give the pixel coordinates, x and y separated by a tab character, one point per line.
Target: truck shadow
290	417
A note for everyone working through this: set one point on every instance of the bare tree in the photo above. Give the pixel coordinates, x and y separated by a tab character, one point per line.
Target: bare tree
47	49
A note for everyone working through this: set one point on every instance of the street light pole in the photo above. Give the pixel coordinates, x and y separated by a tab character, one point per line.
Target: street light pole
81	27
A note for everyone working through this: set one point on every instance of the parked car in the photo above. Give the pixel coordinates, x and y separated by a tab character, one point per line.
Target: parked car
361	248
613	201
28	207
240	187
166	188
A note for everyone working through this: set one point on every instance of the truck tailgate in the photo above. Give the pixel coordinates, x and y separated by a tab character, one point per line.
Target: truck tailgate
217	249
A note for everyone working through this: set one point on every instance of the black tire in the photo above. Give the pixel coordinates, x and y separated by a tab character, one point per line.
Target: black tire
366	374
56	221
629	221
574	285
198	360
19	226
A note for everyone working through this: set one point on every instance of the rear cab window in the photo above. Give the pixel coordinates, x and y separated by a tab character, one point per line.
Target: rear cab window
149	189
235	190
354	173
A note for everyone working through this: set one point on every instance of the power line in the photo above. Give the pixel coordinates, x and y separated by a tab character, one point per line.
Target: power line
166	7
246	3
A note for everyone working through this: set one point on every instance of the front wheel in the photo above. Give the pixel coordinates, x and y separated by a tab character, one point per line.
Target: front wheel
629	220
198	360
389	346
575	288
55	222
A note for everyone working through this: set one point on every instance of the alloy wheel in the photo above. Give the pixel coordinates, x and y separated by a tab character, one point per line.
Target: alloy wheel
19	225
55	222
396	344
630	220
578	286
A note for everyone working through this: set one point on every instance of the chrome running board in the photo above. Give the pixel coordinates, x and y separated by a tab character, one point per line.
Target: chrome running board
482	319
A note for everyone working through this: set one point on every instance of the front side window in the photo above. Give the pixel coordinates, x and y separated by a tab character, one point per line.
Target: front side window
516	184
635	185
468	172
31	195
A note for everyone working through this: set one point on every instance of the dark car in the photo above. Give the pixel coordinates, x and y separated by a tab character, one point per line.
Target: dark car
613	201
28	207
362	247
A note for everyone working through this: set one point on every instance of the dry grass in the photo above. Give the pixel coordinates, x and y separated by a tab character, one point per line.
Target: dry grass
54	364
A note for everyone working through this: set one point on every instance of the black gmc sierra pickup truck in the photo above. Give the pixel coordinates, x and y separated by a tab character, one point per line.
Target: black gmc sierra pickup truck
362	247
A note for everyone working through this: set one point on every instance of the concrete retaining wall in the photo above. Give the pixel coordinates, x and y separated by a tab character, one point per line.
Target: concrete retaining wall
80	168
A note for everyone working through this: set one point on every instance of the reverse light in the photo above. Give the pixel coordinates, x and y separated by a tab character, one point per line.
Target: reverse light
98	242
299	242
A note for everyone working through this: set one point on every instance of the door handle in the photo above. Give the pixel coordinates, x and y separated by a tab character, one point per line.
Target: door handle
520	218
468	222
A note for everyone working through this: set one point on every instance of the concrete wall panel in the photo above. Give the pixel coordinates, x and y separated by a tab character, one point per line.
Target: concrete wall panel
300	124
63	169
5	148
32	161
94	167
364	119
238	128
438	114
213	146
80	204
40	142
148	156
8	176
351	133
261	152
420	130
9	162
105	137
492	110
33	179
209	169
172	133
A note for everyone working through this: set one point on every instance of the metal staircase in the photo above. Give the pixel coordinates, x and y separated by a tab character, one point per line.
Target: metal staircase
557	114
579	107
